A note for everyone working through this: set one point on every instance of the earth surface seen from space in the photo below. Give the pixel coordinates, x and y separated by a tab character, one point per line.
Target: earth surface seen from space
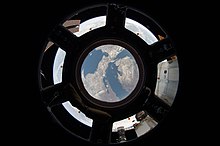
109	73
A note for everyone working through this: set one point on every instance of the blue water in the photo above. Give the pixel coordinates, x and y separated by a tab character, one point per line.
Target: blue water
123	54
91	62
112	77
90	65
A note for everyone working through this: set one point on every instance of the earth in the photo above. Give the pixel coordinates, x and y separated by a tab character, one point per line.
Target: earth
109	73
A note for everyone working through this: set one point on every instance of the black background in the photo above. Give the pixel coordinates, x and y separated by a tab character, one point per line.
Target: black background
27	121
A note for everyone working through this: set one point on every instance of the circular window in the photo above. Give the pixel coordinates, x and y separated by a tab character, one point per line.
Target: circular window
108	73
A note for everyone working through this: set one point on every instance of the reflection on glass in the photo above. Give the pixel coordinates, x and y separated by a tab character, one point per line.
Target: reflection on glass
76	113
139	29
91	24
146	123
58	66
167	80
109	73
